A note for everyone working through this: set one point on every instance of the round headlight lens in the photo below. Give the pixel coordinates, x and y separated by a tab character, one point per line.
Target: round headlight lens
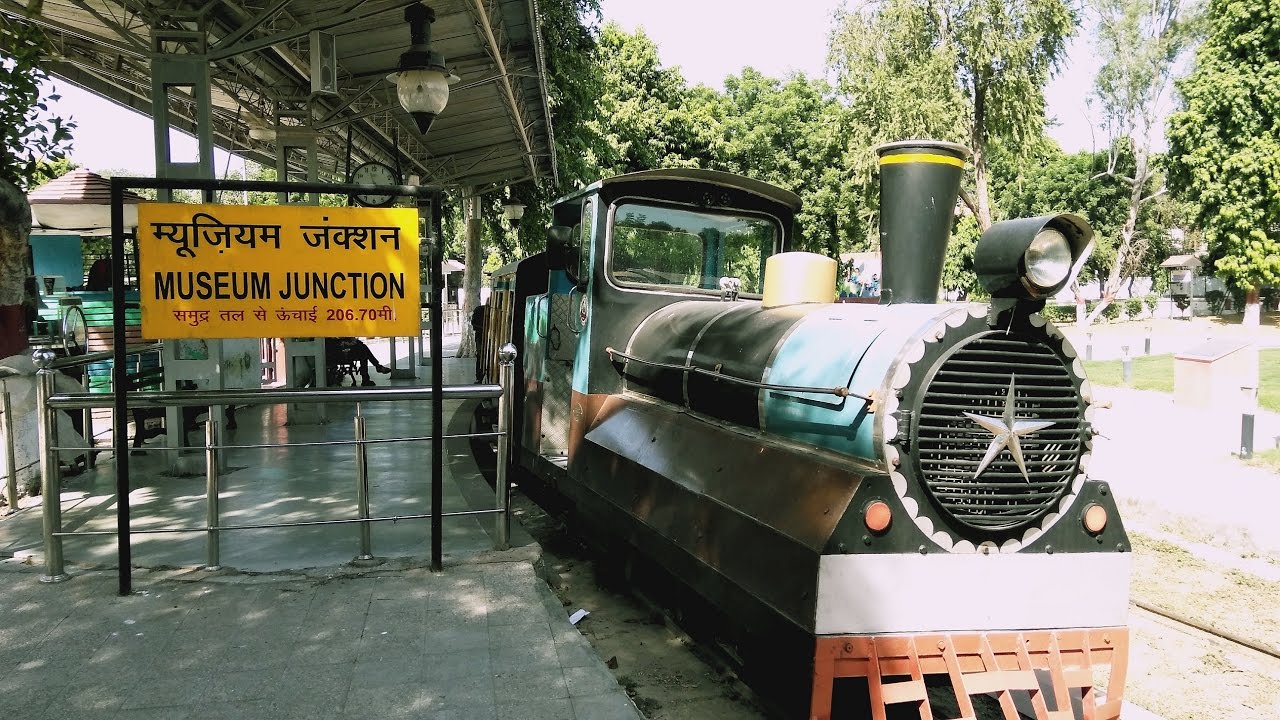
1048	258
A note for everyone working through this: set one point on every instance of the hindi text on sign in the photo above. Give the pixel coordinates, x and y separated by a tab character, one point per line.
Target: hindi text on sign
213	271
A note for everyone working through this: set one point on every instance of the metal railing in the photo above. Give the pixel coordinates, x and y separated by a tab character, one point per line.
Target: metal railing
10	461
7	420
85	361
48	403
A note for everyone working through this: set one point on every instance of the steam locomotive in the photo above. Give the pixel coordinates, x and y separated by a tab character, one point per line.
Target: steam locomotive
875	501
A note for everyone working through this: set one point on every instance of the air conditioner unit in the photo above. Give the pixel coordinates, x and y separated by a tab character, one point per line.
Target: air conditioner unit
324	63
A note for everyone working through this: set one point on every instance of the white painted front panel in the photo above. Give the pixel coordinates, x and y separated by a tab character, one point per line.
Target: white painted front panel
946	592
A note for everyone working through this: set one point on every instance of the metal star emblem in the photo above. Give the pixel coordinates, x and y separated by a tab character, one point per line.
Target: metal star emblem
1006	430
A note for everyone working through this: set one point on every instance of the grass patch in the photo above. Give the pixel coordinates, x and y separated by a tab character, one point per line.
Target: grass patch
1150	372
1157	547
1155	372
1269	459
1269	379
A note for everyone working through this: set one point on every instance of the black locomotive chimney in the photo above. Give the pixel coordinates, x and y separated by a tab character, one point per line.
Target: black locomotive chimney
919	184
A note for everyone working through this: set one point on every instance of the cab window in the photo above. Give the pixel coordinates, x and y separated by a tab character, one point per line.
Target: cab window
678	247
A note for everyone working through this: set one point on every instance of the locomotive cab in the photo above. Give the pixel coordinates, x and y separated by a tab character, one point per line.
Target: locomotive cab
621	249
860	493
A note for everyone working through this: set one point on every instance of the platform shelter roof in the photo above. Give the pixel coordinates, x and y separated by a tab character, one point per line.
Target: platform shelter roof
495	130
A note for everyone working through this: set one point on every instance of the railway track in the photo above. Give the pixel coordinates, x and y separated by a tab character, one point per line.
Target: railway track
1207	629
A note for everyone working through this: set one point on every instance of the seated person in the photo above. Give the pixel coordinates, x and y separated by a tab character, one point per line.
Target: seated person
351	350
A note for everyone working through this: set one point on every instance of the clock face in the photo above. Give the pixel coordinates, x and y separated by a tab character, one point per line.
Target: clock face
374	173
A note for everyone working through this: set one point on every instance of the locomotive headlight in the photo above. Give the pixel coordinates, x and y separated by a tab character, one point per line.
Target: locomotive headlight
1048	258
1032	258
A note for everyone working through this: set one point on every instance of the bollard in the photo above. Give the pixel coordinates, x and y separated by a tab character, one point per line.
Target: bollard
6	430
362	488
1146	349
212	549
501	485
1088	346
50	478
1126	363
1249	395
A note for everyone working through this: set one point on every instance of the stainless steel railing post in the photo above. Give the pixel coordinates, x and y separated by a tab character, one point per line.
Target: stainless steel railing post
50	479
91	458
507	358
11	463
211	493
362	488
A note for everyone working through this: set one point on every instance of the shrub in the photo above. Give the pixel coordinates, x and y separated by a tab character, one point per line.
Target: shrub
1059	314
1134	307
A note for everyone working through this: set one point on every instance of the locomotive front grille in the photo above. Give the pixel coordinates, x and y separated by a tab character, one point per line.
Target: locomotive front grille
978	378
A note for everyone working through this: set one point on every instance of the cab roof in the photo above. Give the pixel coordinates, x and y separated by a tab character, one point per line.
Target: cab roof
713	177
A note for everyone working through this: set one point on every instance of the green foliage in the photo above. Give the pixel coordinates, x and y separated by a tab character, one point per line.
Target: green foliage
31	136
957	266
952	69
1216	299
1139	41
642	116
793	133
905	68
1006	50
1072	183
1150	372
1059	314
898	78
574	81
47	170
1224	145
1079	183
262	173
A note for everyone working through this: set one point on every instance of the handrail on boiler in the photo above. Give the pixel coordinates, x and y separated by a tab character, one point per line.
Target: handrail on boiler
837	391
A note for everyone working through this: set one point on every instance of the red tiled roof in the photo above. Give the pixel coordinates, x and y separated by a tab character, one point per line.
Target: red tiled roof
78	187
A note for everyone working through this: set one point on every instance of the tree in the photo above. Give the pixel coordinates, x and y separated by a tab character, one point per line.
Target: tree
574	78
792	133
471	203
1224	144
1080	183
31	137
643	119
1139	42
953	69
573	81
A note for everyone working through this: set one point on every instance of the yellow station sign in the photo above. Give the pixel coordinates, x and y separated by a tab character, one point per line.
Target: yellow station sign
233	271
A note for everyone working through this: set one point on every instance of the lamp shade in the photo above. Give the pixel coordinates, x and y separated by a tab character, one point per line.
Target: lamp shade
423	90
512	210
423	93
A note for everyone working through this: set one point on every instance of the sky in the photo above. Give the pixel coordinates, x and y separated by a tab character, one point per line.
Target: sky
691	34
796	40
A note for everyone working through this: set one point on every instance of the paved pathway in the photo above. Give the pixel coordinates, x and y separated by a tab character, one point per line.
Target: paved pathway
485	638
